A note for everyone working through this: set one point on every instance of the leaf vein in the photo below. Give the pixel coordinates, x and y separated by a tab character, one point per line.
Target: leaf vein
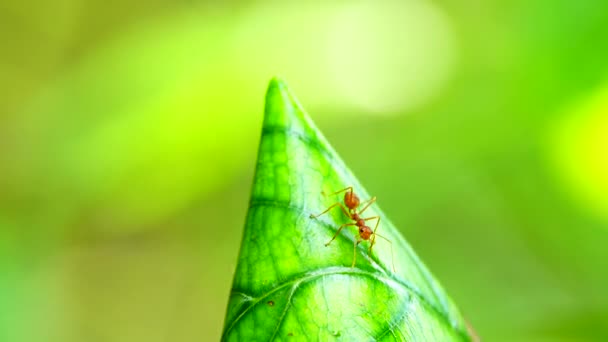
329	271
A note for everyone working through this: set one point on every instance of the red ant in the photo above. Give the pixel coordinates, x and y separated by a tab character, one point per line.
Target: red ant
352	202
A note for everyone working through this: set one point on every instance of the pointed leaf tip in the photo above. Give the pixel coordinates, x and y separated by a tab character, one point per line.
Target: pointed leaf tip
283	110
276	82
289	284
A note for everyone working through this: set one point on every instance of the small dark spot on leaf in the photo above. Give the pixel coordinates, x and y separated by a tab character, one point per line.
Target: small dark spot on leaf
337	333
290	334
270	303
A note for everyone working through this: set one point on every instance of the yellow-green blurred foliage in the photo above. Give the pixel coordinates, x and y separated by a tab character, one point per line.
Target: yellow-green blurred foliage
128	135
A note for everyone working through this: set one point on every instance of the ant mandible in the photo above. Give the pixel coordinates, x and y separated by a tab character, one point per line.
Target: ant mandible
352	203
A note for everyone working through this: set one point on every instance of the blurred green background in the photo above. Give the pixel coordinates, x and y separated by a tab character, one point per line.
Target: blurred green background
128	137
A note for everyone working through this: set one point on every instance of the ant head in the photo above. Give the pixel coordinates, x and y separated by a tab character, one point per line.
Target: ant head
365	232
351	200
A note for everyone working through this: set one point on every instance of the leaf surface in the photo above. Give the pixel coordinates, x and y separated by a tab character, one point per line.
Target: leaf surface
289	286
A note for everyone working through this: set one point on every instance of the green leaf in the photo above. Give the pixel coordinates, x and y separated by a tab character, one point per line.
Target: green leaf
289	285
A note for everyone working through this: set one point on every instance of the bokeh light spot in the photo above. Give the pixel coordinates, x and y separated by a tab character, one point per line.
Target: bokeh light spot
351	57
388	57
579	147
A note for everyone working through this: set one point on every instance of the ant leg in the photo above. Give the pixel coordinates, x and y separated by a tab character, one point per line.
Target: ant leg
338	232
367	204
330	208
375	229
392	255
358	241
350	189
